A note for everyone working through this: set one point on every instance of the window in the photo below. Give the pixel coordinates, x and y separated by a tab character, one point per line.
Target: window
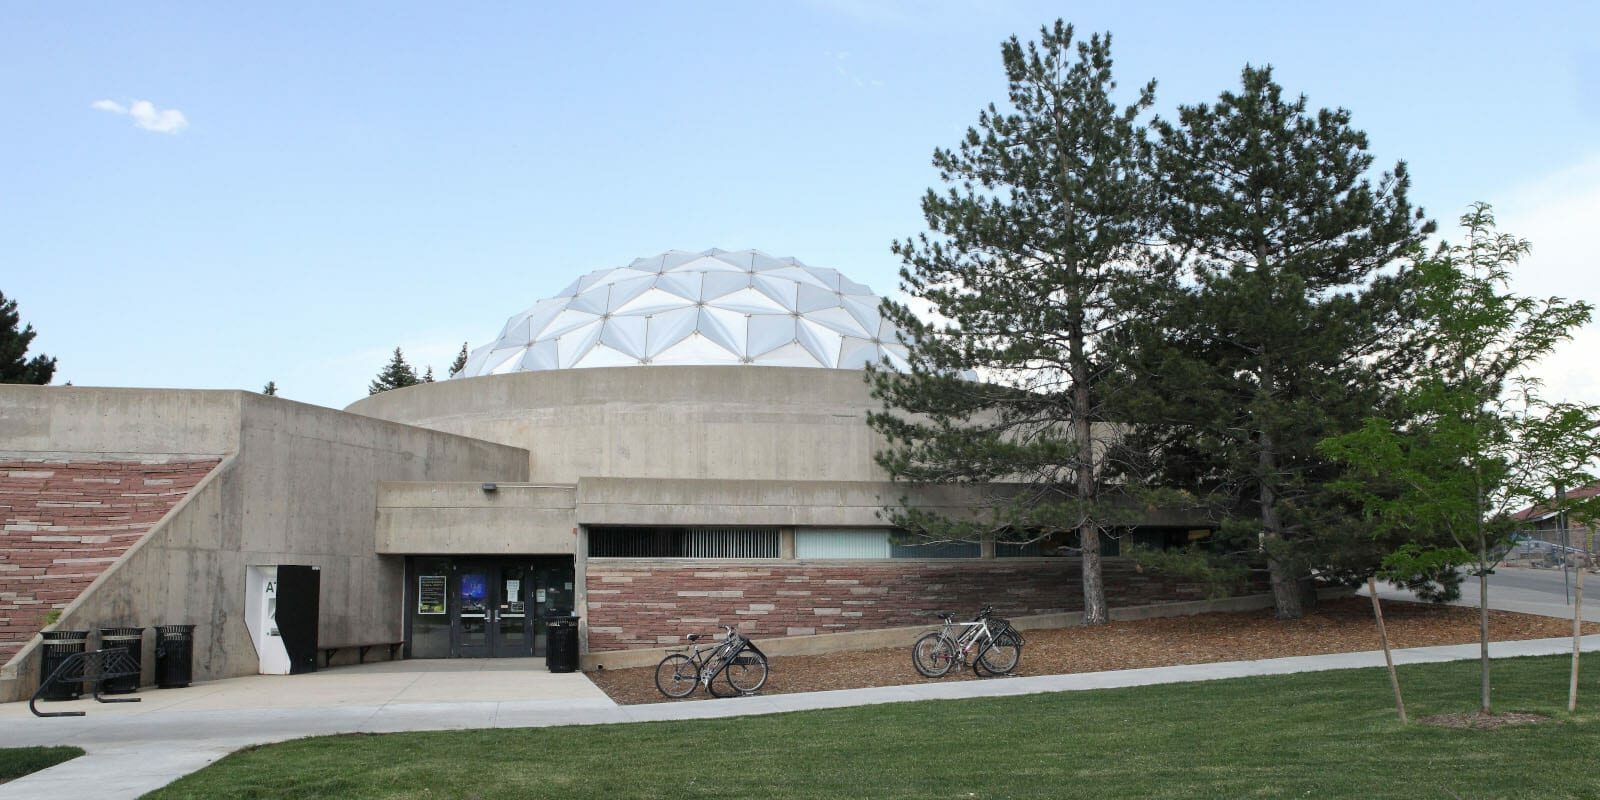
875	543
652	542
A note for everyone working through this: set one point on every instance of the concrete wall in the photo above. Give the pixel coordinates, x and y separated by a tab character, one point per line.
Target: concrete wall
300	488
719	422
462	518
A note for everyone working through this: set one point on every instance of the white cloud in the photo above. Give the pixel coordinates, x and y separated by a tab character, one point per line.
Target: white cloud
841	67
1557	213
145	115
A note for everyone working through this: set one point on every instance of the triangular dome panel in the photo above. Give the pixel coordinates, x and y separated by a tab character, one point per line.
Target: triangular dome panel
707	307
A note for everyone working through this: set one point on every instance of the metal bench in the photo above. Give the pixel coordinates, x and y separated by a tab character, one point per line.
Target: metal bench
328	651
93	667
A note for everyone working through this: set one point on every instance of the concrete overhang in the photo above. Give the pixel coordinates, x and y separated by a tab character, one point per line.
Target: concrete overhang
475	518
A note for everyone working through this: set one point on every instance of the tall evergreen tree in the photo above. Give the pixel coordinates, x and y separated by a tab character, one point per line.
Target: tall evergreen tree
427	377
1047	206
394	375
15	366
1276	337
461	361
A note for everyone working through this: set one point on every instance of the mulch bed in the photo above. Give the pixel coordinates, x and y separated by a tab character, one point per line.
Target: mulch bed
1335	626
1479	721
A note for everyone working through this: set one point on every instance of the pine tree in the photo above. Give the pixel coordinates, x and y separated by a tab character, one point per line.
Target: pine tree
1042	225
1277	339
427	377
460	363
15	366
395	375
271	389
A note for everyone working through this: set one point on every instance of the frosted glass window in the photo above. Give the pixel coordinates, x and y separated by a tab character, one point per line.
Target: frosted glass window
841	543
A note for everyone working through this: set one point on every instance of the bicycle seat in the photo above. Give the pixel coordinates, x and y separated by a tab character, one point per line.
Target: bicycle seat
947	616
693	637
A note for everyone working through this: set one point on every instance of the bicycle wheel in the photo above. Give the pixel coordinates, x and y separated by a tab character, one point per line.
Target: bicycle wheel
747	673
1002	656
933	655
676	675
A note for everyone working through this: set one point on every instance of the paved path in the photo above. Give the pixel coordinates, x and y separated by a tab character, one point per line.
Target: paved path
135	748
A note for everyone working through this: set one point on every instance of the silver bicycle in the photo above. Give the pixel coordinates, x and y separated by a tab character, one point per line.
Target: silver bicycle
987	643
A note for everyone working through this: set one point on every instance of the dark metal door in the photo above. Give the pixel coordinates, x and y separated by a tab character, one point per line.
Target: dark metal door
298	609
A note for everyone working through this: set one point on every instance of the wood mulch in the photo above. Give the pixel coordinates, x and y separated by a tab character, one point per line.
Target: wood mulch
1479	721
1335	626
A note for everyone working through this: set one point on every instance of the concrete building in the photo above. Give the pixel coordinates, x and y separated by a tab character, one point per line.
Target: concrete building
662	449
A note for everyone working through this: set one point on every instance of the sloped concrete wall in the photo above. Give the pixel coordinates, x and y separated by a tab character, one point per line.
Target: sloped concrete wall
300	487
63	522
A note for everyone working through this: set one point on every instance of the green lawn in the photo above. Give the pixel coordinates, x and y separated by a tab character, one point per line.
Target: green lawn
1328	734
16	762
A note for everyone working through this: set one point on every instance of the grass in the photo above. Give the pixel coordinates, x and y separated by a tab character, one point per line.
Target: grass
1327	734
16	762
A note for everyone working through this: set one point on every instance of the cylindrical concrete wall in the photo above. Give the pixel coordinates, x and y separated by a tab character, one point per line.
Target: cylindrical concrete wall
719	422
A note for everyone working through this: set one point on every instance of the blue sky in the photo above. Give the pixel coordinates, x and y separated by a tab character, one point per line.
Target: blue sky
309	187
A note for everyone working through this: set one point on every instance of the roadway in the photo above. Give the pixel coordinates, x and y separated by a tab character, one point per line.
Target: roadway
1525	590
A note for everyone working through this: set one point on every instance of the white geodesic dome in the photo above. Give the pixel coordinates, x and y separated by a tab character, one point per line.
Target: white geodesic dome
711	307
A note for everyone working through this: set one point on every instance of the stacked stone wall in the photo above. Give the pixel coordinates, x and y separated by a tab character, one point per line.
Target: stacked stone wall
62	523
633	604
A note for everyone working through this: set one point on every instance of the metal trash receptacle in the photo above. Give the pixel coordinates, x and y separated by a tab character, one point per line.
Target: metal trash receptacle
561	648
58	646
130	640
174	656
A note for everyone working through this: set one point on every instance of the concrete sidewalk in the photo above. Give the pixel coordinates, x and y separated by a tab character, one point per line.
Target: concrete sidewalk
133	750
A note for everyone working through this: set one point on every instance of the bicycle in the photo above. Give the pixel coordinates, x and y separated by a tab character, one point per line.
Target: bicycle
991	643
735	659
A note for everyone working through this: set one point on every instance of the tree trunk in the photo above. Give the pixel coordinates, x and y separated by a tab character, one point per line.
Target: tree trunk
1285	584
1094	590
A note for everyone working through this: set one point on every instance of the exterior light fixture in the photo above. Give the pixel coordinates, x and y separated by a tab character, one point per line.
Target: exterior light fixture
490	488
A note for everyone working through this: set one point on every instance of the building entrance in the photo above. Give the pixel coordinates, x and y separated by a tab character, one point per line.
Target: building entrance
465	607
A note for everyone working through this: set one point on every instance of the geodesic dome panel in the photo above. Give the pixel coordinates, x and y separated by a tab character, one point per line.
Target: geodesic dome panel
712	307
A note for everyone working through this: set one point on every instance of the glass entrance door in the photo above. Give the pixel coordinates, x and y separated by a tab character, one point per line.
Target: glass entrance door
493	610
472	612
514	615
485	607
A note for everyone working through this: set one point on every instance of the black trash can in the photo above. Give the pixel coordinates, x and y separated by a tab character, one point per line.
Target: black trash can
561	649
57	647
174	656
130	640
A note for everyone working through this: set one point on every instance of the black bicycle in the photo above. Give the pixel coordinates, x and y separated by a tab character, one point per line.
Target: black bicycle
735	659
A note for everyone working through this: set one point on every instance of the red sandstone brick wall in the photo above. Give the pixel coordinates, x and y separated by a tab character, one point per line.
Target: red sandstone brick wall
63	522
636	604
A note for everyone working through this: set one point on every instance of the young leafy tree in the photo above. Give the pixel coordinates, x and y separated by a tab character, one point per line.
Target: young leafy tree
1272	340
271	389
461	361
1047	207
394	375
15	366
1473	441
